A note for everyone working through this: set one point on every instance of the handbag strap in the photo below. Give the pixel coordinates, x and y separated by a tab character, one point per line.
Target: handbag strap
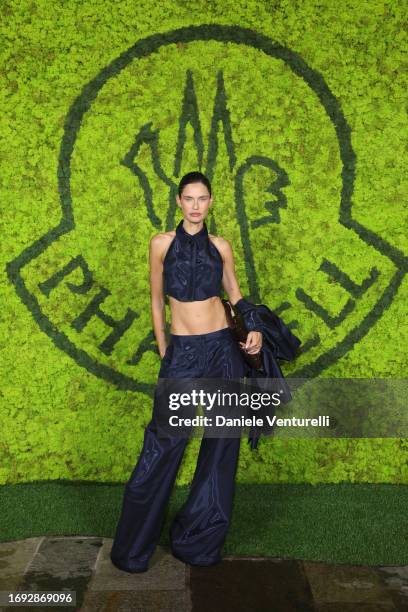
229	312
237	325
235	321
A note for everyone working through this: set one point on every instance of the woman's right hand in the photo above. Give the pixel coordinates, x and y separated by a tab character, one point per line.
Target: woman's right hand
163	354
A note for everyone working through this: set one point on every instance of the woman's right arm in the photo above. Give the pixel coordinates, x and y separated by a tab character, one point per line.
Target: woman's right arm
158	311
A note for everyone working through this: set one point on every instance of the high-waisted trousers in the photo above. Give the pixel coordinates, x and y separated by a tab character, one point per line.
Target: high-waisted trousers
199	528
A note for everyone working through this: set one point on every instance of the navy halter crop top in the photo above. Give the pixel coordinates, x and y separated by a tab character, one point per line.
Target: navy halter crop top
192	267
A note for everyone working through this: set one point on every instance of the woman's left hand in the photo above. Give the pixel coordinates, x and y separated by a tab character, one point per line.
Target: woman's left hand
254	342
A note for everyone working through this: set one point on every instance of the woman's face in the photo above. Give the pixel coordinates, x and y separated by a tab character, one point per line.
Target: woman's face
195	201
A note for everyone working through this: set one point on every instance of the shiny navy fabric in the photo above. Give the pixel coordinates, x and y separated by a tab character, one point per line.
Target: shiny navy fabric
192	267
200	526
278	342
284	344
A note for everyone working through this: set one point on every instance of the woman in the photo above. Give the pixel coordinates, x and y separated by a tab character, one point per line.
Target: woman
189	265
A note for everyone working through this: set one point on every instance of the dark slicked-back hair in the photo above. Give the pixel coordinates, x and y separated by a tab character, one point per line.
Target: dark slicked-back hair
193	177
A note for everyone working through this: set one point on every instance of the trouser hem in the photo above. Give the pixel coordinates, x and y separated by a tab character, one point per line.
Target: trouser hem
200	561
135	569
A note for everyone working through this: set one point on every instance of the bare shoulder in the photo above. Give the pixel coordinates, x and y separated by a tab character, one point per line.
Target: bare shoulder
222	244
160	242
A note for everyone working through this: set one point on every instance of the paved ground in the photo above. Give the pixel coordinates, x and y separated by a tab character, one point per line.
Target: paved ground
237	584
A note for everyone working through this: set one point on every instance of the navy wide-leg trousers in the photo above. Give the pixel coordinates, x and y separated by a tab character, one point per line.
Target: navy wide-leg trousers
198	530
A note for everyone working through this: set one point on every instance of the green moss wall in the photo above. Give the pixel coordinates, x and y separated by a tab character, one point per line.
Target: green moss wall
296	112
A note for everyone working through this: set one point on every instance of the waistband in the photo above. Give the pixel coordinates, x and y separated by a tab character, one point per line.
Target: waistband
225	333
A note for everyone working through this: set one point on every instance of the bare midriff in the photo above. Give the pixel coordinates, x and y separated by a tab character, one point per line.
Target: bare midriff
198	317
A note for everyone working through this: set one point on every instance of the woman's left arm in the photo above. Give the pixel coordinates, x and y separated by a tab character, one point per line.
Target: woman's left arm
229	282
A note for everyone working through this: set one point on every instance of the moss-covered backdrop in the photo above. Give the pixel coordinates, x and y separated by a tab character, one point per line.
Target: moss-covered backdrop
296	111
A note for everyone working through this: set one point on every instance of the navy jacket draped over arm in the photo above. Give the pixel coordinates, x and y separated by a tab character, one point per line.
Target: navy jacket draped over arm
278	342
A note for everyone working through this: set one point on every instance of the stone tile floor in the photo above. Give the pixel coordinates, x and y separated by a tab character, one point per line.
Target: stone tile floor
237	584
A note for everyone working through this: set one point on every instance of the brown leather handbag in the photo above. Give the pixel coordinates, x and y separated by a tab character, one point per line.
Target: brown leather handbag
240	333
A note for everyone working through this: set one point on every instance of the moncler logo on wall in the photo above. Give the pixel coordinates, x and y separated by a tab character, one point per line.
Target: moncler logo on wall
272	137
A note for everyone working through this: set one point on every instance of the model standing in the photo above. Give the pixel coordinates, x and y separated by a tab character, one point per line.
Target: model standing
190	266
